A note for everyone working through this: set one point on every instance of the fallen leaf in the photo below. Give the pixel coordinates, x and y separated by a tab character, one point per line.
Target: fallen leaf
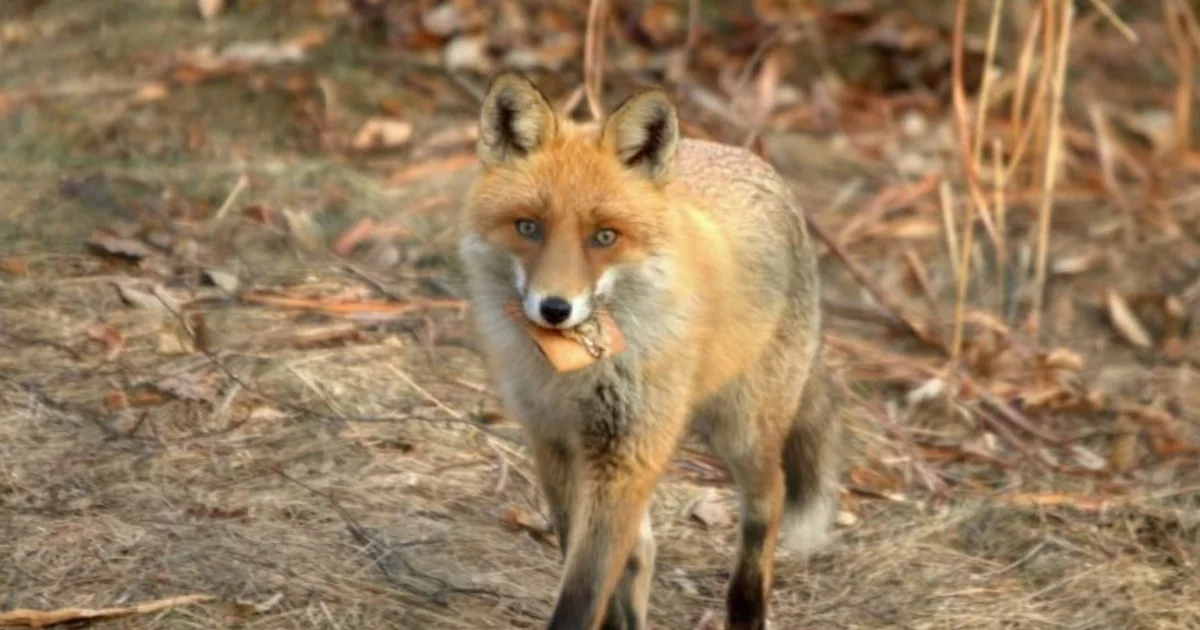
467	53
709	510
121	246
343	308
116	400
134	296
151	92
1124	320
303	228
112	338
1087	458
443	20
40	619
1124	445
15	266
1054	499
517	518
257	608
441	166
1157	126
382	133
210	9
1064	359
223	280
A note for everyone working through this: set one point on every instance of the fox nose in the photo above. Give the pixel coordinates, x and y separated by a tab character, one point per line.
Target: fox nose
555	310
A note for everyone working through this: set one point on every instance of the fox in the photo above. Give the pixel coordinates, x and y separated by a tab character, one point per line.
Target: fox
700	254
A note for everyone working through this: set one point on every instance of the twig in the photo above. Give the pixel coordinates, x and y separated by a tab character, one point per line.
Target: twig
1116	21
985	89
593	56
864	278
964	134
1052	165
242	183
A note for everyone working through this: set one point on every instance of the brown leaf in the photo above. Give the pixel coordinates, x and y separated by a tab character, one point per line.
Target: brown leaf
15	266
128	247
709	510
116	400
1125	321
382	133
1124	446
517	518
151	92
40	619
112	338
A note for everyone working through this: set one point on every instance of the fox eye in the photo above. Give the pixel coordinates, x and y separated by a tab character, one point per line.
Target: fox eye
529	229
604	237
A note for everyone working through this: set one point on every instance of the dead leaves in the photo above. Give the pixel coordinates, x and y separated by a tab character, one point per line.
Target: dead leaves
519	519
709	510
382	133
1125	322
23	617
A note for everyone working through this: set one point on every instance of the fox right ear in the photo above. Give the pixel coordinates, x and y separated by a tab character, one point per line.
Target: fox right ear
516	120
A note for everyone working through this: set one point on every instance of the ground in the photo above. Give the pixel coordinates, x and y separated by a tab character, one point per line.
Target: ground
205	391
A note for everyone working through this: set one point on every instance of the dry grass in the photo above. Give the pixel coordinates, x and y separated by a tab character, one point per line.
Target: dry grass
353	482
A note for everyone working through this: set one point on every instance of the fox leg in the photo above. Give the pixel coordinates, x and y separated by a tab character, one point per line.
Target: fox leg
746	441
604	532
556	475
627	607
629	604
762	510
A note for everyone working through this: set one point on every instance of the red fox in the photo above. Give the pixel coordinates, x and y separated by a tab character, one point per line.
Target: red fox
700	254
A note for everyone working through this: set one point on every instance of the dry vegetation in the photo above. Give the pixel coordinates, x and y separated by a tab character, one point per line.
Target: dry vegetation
234	362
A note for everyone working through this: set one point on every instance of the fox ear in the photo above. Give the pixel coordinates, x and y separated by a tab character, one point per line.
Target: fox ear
515	120
643	133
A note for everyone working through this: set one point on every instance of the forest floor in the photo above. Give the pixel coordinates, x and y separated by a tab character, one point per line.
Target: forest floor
235	363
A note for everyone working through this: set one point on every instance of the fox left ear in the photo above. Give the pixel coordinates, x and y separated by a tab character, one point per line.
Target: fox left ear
643	133
515	121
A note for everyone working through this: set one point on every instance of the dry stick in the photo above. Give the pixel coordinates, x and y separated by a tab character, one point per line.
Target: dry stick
964	134
985	89
1052	167
1001	207
947	205
1177	27
1024	63
693	33
1115	20
864	278
960	299
1038	123
593	56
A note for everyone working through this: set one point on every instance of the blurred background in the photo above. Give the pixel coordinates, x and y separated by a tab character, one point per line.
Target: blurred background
235	366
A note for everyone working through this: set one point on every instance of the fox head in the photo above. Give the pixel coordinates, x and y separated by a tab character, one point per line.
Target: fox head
570	211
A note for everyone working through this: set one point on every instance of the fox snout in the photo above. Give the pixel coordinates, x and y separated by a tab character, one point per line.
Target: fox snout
556	311
551	308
